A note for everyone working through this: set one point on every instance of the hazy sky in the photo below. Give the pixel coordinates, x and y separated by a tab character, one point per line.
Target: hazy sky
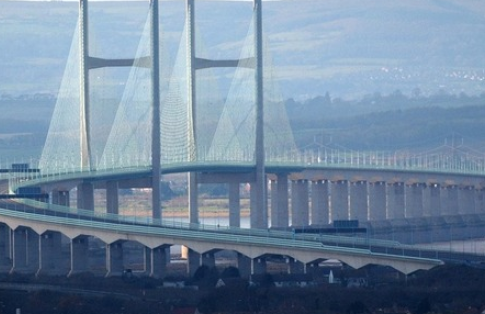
146	0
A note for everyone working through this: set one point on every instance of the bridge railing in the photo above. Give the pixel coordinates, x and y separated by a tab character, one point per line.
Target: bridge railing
473	164
443	162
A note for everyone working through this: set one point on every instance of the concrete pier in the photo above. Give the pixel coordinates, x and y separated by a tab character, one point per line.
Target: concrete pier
193	261
25	251
414	200
5	247
156	261
112	194
114	259
320	211
50	254
244	265
299	203
466	201
358	200
433	205
449	200
396	200
61	197
85	196
79	255
339	200
279	204
377	200
258	266
234	205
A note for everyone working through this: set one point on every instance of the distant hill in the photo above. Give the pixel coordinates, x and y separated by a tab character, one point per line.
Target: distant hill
349	48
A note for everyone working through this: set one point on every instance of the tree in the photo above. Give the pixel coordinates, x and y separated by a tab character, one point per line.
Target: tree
357	307
230	272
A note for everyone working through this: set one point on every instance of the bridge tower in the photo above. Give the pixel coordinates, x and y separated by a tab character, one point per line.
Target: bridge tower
258	187
88	62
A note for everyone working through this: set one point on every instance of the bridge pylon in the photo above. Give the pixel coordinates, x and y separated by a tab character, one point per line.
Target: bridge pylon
259	216
88	62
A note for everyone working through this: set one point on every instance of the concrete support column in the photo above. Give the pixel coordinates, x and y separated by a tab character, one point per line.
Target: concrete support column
61	197
396	200
480	200
295	266
79	255
193	198
272	206
244	265
434	200
299	203
50	250
258	266
85	196
193	261
358	200
466	199
320	212
156	261
208	259
312	268
114	259
339	200
25	251
19	250
279	202
449	200
258	215
414	200
377	200
234	205
112	202
5	247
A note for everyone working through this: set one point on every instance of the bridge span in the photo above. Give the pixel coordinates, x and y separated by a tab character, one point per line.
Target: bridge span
250	145
36	235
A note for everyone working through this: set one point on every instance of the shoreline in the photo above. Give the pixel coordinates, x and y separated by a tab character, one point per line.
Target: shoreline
183	214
